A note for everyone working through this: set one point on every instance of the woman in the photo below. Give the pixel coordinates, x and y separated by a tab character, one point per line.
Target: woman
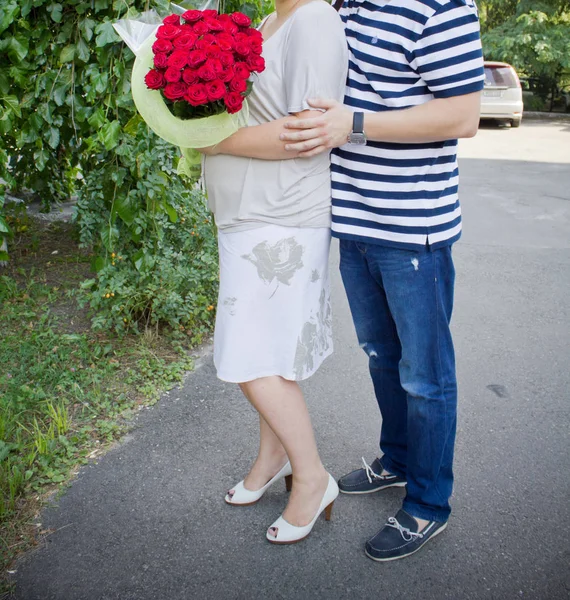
273	325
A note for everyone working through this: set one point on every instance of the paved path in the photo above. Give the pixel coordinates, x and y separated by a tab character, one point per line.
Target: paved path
148	522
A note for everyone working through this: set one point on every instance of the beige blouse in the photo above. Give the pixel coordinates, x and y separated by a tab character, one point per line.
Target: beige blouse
305	58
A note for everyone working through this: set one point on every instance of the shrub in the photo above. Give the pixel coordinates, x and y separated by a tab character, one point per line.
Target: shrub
532	102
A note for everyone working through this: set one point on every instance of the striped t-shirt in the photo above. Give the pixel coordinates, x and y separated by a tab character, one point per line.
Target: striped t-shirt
403	53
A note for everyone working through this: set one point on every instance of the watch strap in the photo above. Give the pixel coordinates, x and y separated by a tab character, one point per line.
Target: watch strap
358	122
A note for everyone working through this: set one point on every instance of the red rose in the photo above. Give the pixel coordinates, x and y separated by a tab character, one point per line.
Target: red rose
213	52
167	32
154	80
196	94
227	59
259	64
214	24
202	44
240	19
242	49
215	90
196	58
207	72
242	70
185	41
172	75
241	37
190	75
178	59
230	27
216	65
233	102
255	45
191	16
175	91
210	13
171	20
238	85
256	63
254	33
162	46
161	60
224	41
227	74
201	27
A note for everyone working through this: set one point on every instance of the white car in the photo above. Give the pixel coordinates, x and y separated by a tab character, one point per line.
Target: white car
502	95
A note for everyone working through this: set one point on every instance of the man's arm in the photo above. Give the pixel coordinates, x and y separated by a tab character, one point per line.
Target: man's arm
259	141
436	120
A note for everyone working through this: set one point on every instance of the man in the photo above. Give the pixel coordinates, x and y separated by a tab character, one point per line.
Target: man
415	75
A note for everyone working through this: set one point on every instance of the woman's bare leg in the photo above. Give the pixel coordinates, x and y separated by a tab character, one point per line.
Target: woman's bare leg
270	458
281	405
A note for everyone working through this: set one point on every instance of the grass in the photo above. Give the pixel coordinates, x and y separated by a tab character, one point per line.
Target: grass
65	392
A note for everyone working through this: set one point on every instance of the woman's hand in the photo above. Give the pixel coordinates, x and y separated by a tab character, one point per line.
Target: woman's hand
321	133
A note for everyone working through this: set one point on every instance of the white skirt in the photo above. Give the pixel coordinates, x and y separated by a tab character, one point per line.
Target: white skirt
274	311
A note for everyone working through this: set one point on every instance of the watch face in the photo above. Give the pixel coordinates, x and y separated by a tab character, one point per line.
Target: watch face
357	138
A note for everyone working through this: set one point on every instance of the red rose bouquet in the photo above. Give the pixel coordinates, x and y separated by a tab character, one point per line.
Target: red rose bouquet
191	75
202	62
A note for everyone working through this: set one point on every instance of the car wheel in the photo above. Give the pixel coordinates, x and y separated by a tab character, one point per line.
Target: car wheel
516	122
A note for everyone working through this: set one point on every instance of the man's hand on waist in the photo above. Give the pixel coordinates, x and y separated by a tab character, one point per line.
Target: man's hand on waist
314	135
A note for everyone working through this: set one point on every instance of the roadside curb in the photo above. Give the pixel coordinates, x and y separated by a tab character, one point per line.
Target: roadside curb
545	116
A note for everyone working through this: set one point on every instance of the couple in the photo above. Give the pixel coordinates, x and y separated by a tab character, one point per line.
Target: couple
415	70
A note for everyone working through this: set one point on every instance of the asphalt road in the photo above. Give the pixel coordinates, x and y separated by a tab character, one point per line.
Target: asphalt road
148	521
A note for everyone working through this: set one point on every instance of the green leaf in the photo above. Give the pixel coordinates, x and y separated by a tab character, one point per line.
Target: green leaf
109	237
41	158
105	34
5	124
109	134
53	137
86	27
56	12
97	118
126	209
25	7
4	256
13	104
100	81
3	225
44	110
101	5
133	124
97	264
8	14
171	212
28	100
83	51
67	54
143	260
4	83
60	93
18	47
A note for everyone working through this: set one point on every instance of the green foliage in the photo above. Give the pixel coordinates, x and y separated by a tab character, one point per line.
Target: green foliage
158	259
532	36
533	103
68	125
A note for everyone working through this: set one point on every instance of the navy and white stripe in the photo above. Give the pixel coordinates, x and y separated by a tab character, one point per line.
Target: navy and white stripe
403	53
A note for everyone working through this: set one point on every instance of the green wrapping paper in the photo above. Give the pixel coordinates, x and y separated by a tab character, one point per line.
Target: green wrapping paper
186	134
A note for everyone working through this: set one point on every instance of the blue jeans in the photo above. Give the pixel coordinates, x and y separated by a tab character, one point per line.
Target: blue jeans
401	302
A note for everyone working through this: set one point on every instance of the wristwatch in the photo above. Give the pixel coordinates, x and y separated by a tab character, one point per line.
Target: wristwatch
357	135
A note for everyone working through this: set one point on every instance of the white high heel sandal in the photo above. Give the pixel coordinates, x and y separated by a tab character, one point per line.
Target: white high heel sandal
241	496
282	532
